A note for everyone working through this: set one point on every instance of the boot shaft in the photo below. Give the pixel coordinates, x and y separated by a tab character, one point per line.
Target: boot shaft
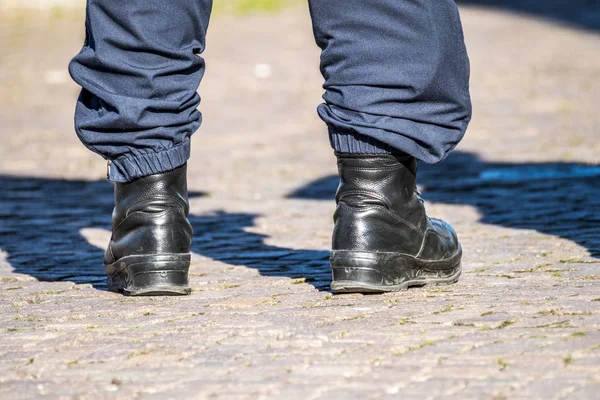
387	181
153	192
150	216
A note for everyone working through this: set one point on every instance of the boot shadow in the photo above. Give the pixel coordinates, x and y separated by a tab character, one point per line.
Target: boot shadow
556	198
222	236
42	220
41	223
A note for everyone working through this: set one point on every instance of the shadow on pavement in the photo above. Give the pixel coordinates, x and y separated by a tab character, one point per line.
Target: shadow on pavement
41	223
222	236
555	198
41	220
578	13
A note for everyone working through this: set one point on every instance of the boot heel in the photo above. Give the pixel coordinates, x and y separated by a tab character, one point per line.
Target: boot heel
152	275
356	280
376	272
357	272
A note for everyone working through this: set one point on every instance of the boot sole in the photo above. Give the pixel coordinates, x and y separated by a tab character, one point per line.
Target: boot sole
374	272
150	275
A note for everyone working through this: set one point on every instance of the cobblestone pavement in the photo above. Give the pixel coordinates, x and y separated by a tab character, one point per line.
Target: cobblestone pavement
521	190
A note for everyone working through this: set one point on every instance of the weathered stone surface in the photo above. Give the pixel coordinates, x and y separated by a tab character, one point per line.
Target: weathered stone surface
521	190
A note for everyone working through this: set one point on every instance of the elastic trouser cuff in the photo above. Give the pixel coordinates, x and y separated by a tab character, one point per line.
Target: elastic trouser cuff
350	142
131	166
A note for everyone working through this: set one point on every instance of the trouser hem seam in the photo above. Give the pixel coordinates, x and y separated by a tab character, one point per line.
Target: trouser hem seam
132	166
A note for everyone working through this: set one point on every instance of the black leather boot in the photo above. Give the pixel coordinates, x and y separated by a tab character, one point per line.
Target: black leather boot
149	251
383	240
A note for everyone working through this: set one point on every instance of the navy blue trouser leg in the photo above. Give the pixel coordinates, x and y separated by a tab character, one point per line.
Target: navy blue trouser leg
396	75
396	79
139	70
